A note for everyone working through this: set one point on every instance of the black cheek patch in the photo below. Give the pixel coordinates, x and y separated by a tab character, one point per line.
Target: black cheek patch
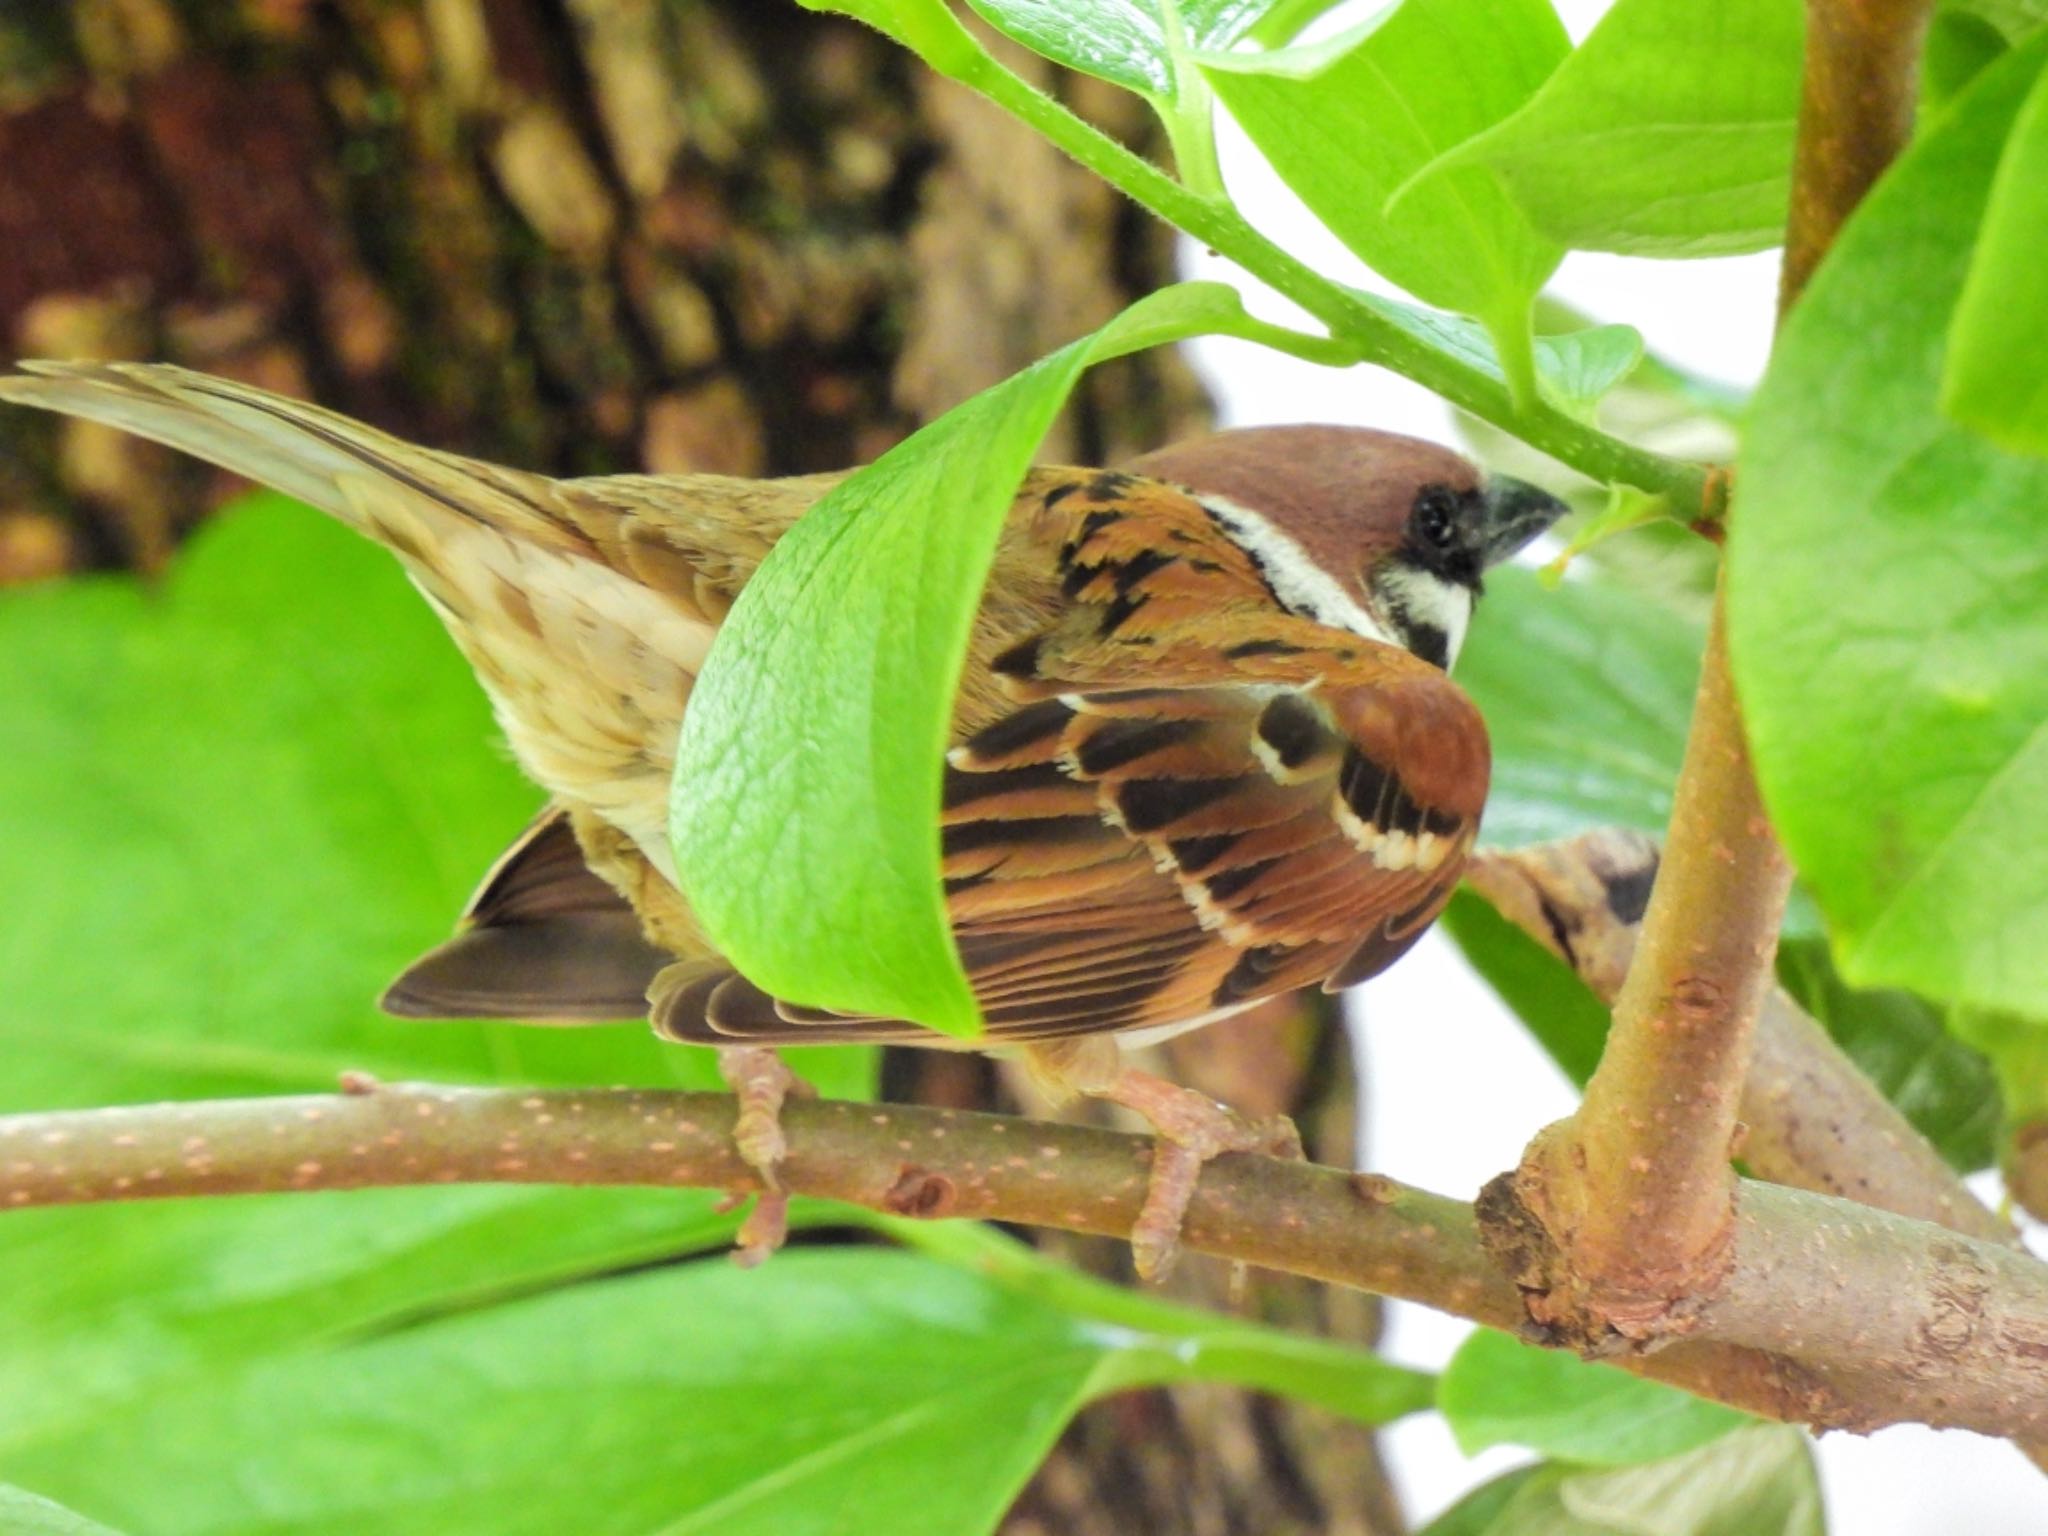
1429	642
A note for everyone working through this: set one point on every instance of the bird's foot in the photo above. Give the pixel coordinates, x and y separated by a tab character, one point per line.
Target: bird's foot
1192	1129
762	1083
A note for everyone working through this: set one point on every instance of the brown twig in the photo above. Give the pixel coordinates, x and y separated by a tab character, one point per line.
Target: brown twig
1891	1352
1635	1189
1634	1192
1810	1118
1861	83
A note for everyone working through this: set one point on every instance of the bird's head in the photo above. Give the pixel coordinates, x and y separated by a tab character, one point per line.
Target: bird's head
1369	531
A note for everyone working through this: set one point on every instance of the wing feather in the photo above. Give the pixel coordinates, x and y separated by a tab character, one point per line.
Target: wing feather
1202	801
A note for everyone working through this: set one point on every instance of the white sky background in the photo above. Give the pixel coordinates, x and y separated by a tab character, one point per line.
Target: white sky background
1431	1118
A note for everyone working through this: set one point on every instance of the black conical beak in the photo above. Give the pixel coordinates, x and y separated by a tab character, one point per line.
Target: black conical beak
1516	512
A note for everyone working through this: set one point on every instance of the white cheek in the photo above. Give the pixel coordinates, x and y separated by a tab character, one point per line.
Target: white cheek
1426	599
1302	586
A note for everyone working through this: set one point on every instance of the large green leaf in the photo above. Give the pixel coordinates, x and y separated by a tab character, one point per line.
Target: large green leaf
1348	122
1557	1008
805	813
825	1392
2016	19
113	1305
1210	1346
1667	133
237	804
24	1514
1994	381
1959	46
1900	1043
2016	1048
1887	578
1753	1482
1587	691
1500	1391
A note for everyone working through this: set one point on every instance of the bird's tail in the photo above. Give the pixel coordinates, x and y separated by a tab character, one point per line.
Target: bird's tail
316	456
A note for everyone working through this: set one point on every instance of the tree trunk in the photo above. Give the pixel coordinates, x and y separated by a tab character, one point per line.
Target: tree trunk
594	235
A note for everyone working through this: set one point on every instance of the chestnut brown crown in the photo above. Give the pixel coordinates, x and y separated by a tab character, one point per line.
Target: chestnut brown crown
1404	528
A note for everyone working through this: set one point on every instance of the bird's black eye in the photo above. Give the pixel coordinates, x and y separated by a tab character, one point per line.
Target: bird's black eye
1435	519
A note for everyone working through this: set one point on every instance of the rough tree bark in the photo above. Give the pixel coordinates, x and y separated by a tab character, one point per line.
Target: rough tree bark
593	235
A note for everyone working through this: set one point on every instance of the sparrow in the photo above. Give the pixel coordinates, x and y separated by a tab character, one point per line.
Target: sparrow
1204	750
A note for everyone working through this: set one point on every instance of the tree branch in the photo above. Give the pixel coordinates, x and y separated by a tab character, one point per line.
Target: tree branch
1965	1345
1811	1119
1634	1191
1861	83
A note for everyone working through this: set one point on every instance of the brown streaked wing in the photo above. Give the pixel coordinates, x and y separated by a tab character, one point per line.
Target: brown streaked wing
1276	803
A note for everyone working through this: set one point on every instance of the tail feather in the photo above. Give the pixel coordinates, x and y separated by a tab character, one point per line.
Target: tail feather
306	452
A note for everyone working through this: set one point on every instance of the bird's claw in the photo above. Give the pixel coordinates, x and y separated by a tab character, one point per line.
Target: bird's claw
762	1084
1192	1130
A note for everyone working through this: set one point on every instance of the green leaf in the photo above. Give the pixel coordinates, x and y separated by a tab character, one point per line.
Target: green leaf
1886	583
1500	1391
1578	367
1347	122
1557	1008
881	1387
111	1305
1901	1044
1141	45
1479	1512
1575	366
807	780
1625	510
238	800
1752	1482
1668	132
2017	1050
1209	1346
243	800
1587	693
1959	46
1993	381
2017	19
24	1514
